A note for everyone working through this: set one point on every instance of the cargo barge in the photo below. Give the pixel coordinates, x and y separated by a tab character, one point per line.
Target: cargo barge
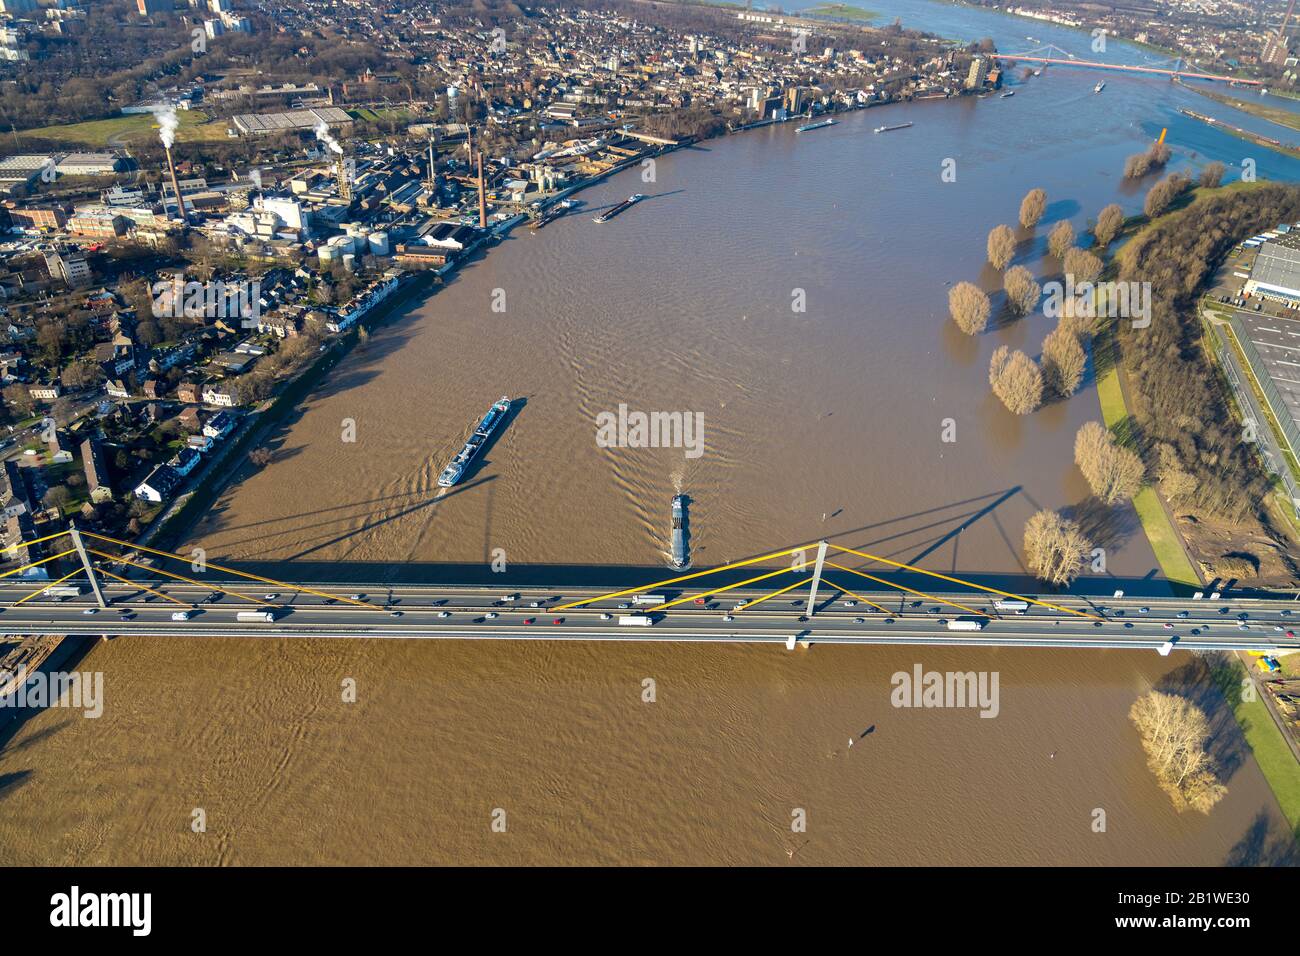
482	432
624	206
680	557
811	126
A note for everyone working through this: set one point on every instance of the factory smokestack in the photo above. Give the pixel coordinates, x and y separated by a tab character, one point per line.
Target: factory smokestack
345	181
176	186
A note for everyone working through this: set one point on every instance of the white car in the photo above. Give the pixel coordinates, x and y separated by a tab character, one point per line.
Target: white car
444	614
728	618
269	597
607	617
91	610
491	615
850	603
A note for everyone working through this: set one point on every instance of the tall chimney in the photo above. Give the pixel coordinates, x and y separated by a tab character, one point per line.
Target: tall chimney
345	184
176	185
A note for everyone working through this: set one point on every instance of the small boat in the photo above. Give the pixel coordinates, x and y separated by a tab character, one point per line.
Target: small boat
1099	87
1008	93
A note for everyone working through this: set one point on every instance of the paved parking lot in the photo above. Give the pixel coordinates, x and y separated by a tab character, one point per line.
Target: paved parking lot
1277	339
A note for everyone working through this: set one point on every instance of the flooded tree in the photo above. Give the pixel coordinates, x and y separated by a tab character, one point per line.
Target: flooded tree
1212	175
1001	246
1082	264
969	307
1017	380
1114	473
1061	239
1022	290
1174	733
1139	164
1109	222
1055	547
1032	208
1063	361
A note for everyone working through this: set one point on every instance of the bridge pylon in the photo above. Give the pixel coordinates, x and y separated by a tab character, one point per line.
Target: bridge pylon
85	563
817	577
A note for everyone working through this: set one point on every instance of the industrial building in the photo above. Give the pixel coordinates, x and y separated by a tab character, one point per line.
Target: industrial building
1276	272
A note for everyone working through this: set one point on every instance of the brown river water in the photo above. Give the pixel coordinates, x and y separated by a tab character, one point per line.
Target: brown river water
826	422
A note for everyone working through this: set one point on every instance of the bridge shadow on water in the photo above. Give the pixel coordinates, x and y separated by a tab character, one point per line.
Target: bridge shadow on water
916	539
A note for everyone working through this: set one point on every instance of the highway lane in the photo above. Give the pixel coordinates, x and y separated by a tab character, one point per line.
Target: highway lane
461	613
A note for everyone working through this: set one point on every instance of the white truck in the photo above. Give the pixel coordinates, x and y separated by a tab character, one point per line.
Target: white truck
1019	607
649	599
965	624
180	615
635	620
265	617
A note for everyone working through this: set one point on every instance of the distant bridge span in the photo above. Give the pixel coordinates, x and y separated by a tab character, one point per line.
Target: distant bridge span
1065	59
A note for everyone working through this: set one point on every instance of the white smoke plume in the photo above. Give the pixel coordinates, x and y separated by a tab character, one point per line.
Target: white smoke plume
167	123
323	134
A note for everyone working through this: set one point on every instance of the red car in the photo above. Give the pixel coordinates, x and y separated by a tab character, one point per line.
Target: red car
558	620
529	620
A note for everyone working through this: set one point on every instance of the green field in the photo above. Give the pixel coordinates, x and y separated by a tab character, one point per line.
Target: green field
1270	750
841	11
1155	522
194	128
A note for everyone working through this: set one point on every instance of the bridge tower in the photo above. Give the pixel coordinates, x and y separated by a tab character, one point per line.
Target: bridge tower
85	563
817	576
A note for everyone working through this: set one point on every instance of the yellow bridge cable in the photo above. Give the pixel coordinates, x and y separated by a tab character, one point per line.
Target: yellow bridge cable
53	557
179	577
684	577
242	574
142	587
969	584
928	597
728	587
46	587
856	597
23	544
785	590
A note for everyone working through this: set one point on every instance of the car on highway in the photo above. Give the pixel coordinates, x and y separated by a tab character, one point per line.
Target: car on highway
394	613
728	618
491	615
699	600
534	603
607	617
529	620
444	614
270	597
1143	610
91	610
850	603
558	620
510	597
1167	626
859	620
1183	614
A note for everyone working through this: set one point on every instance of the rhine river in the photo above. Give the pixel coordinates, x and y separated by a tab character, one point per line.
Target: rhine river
822	422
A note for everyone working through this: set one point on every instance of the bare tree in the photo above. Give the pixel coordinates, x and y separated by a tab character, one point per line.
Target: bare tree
1017	380
1032	208
1001	246
969	307
1174	733
1109	222
1022	290
1162	195
1114	473
1082	264
1139	164
1212	175
1055	548
1060	239
1063	361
